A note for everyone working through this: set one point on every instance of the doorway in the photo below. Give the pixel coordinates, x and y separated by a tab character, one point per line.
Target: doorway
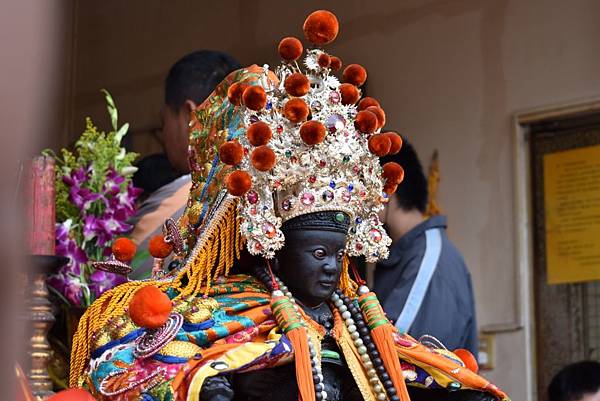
566	312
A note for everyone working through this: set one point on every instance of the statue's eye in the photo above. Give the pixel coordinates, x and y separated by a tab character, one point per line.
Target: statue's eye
319	253
340	255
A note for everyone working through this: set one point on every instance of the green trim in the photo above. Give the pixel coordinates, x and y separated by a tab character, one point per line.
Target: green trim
279	302
370	297
292	326
330	355
377	323
366	308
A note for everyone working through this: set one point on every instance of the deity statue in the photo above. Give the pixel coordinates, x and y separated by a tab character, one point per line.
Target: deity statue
262	301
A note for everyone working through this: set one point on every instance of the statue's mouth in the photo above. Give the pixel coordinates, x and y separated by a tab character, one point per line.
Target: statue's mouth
327	283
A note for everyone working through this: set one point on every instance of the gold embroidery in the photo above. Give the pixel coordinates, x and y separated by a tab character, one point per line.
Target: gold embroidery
181	349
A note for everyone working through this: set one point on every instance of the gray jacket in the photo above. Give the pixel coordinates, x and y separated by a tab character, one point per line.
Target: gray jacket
448	309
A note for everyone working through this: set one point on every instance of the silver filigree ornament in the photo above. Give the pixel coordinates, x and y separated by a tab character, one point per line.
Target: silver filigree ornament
338	174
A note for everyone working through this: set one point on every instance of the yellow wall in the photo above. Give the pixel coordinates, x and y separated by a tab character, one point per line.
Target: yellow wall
450	75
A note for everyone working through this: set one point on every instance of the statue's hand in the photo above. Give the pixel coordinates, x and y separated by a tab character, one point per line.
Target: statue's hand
217	388
257	384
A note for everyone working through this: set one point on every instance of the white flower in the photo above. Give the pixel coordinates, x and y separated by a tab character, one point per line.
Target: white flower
129	170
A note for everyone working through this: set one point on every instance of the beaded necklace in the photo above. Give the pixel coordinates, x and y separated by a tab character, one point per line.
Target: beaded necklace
378	377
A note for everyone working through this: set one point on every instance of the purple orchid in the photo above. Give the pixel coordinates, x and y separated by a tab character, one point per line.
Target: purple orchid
62	231
66	246
68	285
127	199
77	177
103	281
105	228
112	184
82	197
90	227
74	290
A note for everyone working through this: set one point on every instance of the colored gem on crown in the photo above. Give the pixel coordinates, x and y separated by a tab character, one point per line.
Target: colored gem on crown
307	199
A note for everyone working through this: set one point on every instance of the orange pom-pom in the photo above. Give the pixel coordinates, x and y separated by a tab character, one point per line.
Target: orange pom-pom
290	49
379	113
355	74
150	307
312	132
231	153
365	122
367	102
321	27
379	145
123	249
393	173
467	357
350	94
72	394
259	133
336	63
295	110
235	92
324	60
238	182
396	141
297	84
159	248
255	98
263	158
390	188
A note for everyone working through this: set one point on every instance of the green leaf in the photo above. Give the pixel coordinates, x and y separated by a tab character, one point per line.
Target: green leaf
112	109
121	132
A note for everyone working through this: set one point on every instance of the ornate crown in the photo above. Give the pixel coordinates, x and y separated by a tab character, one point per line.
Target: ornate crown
309	146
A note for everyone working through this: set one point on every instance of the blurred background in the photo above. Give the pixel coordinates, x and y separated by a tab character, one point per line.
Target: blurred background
492	85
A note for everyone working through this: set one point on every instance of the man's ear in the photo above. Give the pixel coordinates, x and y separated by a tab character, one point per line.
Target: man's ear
189	106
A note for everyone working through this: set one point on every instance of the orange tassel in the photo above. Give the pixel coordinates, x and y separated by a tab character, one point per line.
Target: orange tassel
290	322
382	333
384	341
306	386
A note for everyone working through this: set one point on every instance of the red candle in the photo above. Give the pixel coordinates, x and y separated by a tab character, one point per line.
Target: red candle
40	206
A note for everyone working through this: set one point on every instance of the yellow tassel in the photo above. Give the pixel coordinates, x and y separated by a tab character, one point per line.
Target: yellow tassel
347	285
221	241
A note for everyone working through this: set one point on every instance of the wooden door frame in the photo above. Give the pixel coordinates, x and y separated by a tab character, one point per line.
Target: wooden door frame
523	217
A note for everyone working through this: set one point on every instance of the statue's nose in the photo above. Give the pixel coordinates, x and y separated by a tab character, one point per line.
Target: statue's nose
331	266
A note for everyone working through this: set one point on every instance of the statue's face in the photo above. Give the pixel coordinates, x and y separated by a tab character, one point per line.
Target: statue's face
310	264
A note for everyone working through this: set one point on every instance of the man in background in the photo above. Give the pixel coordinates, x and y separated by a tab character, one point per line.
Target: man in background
424	285
189	82
576	382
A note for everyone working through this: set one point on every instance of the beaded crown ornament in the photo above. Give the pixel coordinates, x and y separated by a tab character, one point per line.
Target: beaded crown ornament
310	146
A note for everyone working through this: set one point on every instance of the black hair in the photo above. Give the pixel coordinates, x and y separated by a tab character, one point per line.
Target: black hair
195	76
574	381
412	193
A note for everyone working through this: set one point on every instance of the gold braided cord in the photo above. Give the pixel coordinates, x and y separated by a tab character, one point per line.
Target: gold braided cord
347	285
220	241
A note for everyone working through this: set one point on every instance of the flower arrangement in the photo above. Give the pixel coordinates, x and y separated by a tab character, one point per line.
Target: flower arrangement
94	199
